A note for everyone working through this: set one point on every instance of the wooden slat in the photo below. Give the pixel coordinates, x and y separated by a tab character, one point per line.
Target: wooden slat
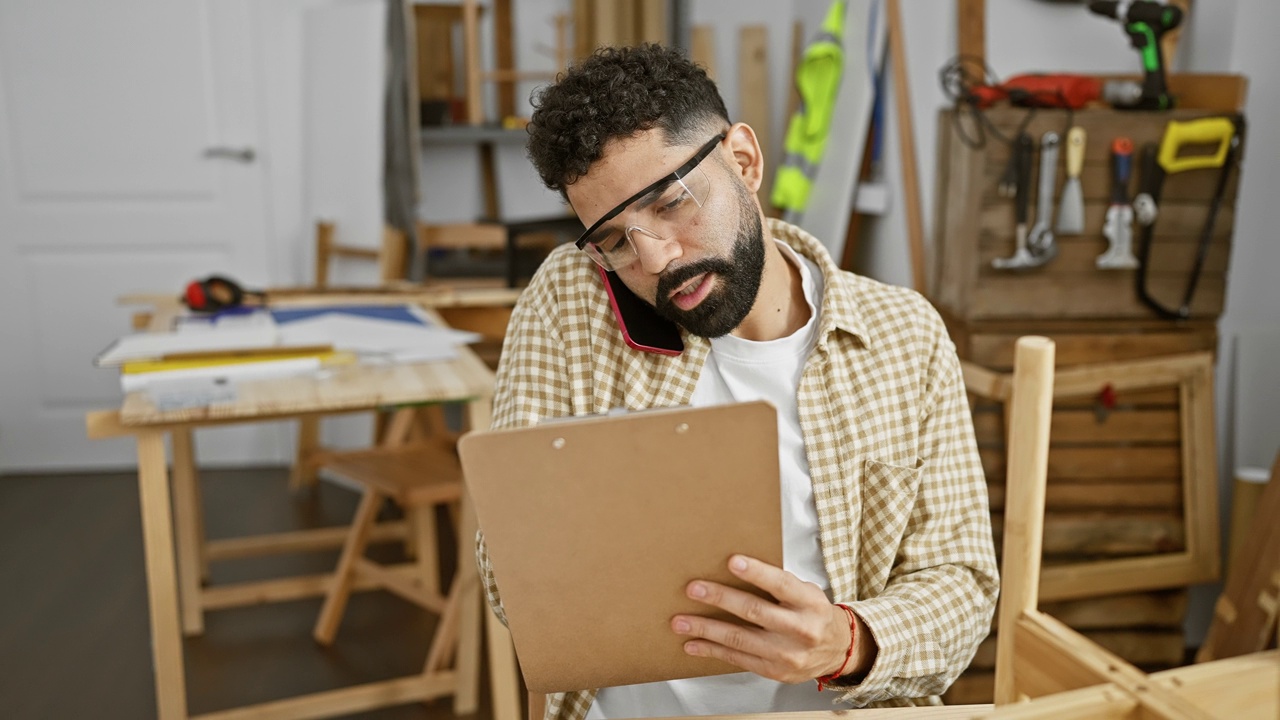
504	57
1031	402
1088	295
1158	649
1101	463
1074	534
344	701
297	541
753	89
995	351
157	531
653	24
1165	495
907	146
702	48
1082	426
257	592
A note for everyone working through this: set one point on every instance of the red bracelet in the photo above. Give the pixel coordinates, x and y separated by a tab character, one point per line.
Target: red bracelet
853	640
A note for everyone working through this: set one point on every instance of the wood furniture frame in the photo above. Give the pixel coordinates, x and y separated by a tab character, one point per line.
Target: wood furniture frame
176	597
1039	655
1192	374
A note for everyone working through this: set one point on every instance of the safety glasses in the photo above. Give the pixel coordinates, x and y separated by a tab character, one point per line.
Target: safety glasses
658	211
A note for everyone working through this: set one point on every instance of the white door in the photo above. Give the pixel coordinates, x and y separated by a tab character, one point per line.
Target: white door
129	162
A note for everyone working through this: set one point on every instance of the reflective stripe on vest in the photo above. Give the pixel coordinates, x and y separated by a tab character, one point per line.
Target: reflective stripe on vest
817	80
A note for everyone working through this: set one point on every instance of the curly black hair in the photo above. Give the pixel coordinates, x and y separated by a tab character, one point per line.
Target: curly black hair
615	93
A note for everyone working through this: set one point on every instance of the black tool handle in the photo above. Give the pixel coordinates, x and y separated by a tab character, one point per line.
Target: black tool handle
1024	152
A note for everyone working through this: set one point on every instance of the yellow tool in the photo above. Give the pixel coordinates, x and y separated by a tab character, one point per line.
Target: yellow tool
1205	131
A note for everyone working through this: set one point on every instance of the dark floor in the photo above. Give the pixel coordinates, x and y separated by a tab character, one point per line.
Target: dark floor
74	638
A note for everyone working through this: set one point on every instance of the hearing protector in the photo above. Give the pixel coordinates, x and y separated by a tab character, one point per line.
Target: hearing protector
216	293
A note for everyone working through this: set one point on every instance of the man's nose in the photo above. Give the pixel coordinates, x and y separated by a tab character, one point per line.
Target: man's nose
654	252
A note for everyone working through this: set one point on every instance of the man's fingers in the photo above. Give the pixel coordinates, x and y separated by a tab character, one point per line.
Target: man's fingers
740	603
730	635
786	587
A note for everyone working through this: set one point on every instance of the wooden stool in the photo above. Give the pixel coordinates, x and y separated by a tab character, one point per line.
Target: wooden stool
418	478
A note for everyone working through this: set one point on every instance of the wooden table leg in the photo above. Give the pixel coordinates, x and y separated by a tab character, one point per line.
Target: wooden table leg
162	593
187	524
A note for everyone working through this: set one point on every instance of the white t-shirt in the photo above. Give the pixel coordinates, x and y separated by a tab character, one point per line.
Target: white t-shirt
739	370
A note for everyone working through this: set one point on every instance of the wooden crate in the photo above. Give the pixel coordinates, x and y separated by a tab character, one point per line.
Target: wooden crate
975	225
1115	480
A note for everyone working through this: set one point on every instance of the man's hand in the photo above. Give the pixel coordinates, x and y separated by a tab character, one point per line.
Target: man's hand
799	638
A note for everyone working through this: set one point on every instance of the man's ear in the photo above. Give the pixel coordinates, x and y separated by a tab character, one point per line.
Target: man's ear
748	160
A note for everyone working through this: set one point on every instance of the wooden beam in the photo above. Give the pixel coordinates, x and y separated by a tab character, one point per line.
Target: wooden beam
753	91
702	48
1032	406
907	143
504	57
971	41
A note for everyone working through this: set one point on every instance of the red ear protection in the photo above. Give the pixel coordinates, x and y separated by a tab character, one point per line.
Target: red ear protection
216	293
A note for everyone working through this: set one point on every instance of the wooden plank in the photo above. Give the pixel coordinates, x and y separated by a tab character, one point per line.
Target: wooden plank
753	90
1097	534
972	34
298	541
1082	426
1112	576
1172	257
1165	609
1086	296
188	525
702	48
584	41
1139	466
1165	496
1241	687
1032	403
995	350
471	61
1056	658
504	57
344	701
1177	222
1162	649
653	24
606	22
1191	186
907	146
1243	617
162	595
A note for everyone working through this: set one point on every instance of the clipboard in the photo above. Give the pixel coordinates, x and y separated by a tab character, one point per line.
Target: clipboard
595	525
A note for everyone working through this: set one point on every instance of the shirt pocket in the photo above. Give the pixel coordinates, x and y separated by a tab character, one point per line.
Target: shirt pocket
888	497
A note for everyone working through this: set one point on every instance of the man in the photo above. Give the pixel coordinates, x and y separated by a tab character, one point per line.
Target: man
679	293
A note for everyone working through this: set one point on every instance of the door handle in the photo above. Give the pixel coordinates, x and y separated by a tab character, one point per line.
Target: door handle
244	155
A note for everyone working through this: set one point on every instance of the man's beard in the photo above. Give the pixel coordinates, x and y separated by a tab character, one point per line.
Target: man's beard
737	283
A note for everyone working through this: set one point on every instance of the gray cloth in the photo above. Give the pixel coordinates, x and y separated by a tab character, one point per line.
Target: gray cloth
400	139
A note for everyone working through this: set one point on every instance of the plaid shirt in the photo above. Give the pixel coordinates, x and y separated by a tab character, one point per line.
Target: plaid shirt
899	489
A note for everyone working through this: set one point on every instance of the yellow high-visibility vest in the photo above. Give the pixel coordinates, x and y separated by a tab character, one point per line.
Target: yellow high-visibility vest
817	80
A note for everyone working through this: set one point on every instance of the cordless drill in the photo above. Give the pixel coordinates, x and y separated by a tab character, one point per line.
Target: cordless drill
1146	22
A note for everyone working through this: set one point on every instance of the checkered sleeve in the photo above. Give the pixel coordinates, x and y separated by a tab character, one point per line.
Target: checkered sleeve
940	596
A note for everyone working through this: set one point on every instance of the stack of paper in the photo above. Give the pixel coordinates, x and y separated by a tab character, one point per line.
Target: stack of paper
218	351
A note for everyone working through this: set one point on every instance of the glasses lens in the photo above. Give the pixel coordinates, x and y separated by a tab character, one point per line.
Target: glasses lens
659	217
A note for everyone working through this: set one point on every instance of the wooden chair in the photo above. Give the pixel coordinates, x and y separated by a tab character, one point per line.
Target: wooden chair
419	476
392	257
